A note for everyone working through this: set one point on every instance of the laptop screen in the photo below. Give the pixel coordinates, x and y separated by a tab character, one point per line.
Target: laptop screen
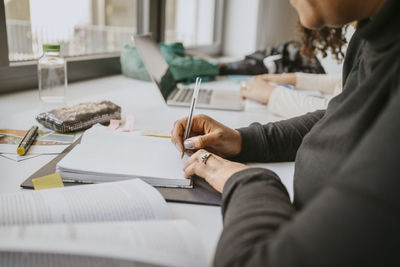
155	64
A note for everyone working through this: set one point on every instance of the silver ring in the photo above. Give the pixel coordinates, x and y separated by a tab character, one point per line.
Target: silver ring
205	157
243	84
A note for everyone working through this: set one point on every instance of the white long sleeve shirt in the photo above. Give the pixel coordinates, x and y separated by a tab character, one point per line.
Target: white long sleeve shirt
289	103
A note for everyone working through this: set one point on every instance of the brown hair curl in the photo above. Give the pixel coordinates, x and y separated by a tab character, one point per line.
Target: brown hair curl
324	40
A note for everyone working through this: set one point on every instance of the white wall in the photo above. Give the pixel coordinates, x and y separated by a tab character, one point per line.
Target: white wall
277	23
256	24
240	27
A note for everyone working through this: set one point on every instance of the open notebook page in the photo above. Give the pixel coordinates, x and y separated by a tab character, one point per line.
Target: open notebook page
127	200
167	243
108	156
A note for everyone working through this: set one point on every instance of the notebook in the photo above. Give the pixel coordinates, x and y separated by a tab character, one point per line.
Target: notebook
105	156
124	223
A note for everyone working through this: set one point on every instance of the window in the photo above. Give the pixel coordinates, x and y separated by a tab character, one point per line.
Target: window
93	32
195	23
82	27
190	22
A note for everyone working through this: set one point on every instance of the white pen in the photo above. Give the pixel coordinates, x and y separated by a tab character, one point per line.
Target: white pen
192	108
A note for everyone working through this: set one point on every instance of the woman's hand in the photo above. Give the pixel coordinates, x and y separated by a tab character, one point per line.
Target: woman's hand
260	89
215	170
208	134
257	89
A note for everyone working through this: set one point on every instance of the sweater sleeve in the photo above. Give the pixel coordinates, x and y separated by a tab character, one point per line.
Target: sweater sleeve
289	103
277	141
325	83
353	221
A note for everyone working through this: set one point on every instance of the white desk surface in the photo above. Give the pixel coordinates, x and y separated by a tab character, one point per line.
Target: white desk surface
143	100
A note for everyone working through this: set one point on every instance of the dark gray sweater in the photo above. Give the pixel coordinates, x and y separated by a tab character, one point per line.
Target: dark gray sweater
346	210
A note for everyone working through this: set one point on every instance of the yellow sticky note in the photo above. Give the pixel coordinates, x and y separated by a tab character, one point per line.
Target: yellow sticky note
48	181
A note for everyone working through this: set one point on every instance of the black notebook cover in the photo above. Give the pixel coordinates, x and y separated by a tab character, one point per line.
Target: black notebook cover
201	193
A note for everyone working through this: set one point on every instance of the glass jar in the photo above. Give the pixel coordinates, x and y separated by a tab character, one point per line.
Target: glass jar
52	75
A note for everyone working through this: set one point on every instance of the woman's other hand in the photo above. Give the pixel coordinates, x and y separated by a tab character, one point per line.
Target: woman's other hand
208	134
215	170
257	89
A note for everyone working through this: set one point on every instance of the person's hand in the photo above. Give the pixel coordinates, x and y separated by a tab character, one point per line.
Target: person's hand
282	78
208	134
215	170
257	89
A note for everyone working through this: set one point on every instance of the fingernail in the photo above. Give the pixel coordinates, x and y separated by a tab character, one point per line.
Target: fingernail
178	147
188	144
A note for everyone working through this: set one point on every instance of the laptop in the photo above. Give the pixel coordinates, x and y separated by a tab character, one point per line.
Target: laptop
173	93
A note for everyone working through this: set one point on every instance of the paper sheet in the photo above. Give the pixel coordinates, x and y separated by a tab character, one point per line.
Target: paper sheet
155	134
36	149
18	158
45	137
128	200
166	243
47	143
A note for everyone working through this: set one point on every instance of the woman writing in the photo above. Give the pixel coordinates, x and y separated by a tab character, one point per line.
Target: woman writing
346	209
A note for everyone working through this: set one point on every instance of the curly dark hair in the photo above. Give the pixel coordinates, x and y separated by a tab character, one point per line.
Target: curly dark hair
324	40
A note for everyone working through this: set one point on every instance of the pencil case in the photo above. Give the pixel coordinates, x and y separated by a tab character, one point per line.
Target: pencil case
79	117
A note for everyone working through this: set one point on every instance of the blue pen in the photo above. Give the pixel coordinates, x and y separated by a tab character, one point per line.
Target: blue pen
282	85
286	86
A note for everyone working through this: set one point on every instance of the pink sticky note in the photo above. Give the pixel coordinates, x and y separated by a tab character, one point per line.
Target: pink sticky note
128	127
114	124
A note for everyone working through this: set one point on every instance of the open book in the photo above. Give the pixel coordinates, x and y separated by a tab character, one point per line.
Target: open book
110	224
105	156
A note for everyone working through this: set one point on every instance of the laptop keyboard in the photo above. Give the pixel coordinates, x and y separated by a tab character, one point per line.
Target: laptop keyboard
185	96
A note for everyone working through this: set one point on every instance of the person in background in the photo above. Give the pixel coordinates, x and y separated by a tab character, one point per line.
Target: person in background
346	209
270	89
288	103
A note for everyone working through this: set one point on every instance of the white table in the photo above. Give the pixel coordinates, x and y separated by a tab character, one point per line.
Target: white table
143	100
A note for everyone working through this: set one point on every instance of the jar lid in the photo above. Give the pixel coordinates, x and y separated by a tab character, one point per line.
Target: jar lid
51	48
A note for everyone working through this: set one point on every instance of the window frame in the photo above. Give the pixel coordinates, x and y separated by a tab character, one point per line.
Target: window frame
214	49
15	76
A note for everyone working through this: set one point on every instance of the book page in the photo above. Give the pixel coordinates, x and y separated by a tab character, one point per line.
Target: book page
127	200
32	259
167	243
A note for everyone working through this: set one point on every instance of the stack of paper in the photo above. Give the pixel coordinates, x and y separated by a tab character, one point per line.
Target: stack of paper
105	156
